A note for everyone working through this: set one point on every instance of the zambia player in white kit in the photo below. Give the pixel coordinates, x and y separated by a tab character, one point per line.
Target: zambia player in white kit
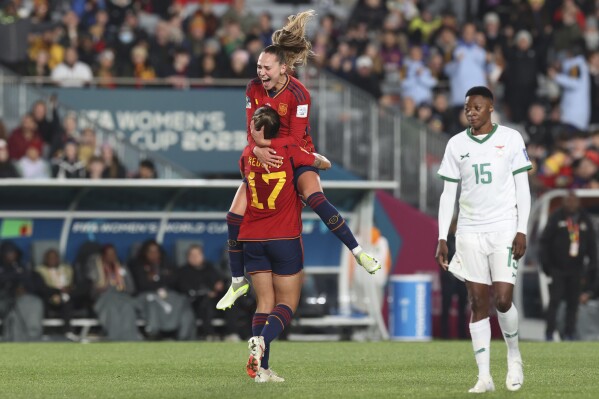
491	163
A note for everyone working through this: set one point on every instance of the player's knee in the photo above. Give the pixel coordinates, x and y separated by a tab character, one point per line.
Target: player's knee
478	303
503	303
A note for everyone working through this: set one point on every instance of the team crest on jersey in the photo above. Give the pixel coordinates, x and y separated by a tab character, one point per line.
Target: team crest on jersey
282	109
248	102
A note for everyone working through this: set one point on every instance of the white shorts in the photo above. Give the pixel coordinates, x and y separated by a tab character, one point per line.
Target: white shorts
484	257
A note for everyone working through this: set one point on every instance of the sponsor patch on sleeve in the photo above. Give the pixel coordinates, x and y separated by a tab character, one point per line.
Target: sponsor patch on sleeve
525	154
302	111
248	102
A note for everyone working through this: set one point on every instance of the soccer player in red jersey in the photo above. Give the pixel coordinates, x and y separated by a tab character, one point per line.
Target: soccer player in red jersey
271	236
276	88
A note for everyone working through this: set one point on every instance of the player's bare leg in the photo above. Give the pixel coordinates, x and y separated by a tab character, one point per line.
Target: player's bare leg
480	330
310	188
507	315
239	284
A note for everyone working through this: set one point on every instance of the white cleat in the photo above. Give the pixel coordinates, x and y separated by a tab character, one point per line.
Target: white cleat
235	291
256	347
267	375
484	384
368	262
515	376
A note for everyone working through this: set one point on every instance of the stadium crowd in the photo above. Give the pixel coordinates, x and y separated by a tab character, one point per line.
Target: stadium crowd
540	57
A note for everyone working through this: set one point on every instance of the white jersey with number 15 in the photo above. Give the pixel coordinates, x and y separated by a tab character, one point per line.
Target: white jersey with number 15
485	165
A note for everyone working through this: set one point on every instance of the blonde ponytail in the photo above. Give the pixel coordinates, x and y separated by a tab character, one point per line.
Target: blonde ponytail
291	39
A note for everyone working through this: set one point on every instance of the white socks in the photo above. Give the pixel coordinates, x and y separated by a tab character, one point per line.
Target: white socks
508	322
237	279
481	343
356	250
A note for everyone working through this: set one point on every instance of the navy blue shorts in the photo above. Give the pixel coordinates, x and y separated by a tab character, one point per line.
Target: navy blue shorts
282	257
297	172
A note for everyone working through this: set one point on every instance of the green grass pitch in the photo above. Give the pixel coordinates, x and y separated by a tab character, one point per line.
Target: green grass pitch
439	369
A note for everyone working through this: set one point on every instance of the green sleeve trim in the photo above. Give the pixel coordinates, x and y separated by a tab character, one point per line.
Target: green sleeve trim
524	169
449	179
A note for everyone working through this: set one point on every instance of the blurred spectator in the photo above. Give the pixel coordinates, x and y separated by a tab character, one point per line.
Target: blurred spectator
569	32
139	66
163	309
538	128
24	136
179	72
106	70
574	81
68	131
266	29
442	111
422	26
241	15
68	166
40	65
72	72
55	289
371	13
232	37
113	168
566	242
20	310
14	32
520	77
32	165
418	82
7	168
556	169
147	170
95	168
129	34
196	34
112	290
240	67
46	42
199	280
48	128
71	36
3	132
594	81
584	170
161	47
88	146
467	67
365	79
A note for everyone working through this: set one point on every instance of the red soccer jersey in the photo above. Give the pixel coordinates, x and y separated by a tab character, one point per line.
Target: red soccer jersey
292	103
273	206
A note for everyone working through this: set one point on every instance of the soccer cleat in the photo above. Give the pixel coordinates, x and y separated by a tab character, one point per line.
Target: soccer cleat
515	376
235	291
256	347
368	262
484	384
268	375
